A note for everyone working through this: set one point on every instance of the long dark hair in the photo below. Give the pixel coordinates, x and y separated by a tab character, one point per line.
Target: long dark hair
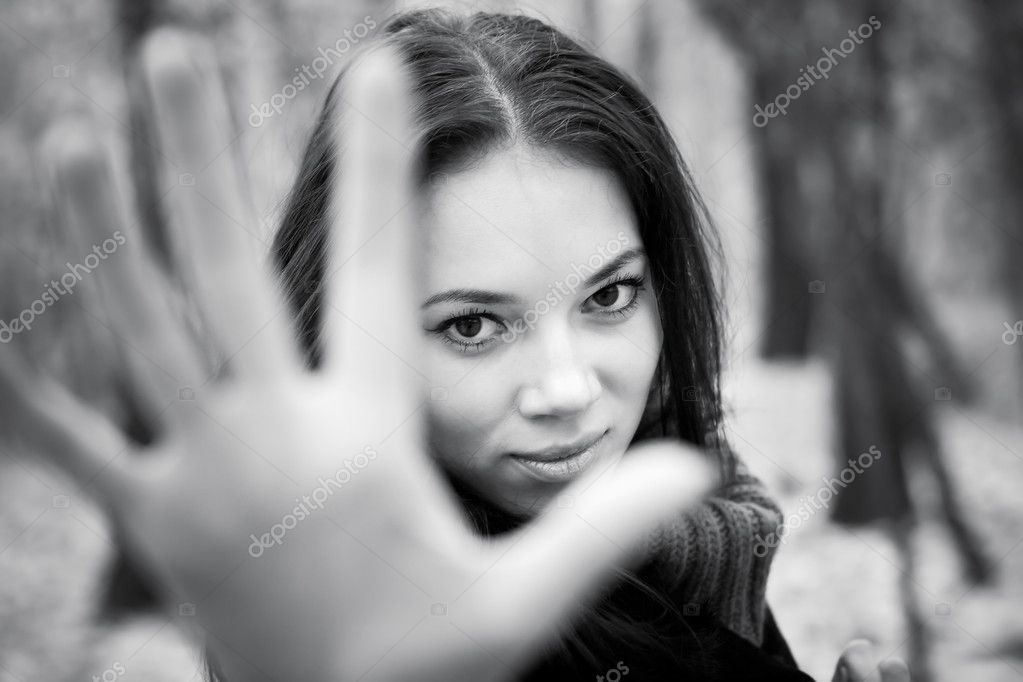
485	80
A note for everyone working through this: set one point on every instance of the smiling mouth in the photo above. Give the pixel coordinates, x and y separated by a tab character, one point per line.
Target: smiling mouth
561	464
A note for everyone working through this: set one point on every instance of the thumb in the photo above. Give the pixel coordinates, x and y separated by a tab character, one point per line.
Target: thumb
857	663
600	522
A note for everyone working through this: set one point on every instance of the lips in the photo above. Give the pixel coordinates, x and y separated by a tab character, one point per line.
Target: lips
561	452
560	463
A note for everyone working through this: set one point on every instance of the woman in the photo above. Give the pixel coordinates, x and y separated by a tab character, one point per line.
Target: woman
567	297
386	581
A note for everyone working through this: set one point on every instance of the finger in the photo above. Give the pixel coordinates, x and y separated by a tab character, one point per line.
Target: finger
133	290
372	313
217	236
574	546
894	670
858	663
76	440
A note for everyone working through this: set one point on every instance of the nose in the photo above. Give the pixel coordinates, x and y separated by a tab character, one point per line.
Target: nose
565	387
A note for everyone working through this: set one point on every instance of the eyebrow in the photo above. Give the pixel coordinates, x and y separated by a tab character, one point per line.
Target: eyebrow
485	297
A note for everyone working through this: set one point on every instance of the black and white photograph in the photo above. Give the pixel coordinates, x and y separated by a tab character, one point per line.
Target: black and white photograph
500	341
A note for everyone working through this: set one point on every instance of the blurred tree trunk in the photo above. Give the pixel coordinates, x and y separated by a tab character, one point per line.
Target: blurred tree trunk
648	48
789	304
1001	69
831	209
588	19
626	34
873	382
883	399
782	147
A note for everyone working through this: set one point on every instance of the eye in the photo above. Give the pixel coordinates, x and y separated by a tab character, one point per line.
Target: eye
473	328
470	331
468	326
618	298
607	296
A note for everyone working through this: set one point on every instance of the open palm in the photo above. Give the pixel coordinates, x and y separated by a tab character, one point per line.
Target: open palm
297	509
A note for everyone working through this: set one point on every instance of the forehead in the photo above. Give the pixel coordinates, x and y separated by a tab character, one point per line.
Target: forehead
519	215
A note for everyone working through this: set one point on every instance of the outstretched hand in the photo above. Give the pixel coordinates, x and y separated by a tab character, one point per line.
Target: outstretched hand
298	509
858	663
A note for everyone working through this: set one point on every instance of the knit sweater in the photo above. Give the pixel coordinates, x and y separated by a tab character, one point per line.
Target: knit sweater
707	555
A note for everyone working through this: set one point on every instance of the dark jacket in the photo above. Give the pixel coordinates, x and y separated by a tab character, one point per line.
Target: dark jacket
694	647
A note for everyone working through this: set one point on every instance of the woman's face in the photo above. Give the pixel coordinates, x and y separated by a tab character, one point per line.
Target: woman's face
542	331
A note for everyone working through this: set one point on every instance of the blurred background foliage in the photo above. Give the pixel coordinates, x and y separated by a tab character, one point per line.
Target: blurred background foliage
873	242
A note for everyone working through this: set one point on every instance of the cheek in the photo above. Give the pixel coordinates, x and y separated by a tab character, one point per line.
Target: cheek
466	407
631	356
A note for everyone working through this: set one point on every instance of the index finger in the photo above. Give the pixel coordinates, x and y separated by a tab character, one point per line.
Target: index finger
371	327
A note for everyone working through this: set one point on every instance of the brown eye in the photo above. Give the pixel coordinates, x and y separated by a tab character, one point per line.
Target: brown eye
471	331
617	299
468	326
607	296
